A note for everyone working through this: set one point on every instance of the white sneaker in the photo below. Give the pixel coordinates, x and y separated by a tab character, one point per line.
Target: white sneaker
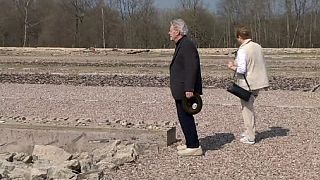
181	147
245	140
191	152
243	135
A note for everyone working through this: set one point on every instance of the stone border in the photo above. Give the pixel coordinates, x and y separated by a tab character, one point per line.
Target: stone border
17	137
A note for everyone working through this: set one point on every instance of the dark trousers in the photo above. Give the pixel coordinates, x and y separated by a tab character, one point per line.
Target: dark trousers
188	126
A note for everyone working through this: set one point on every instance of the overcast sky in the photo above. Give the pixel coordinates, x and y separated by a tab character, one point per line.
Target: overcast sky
173	3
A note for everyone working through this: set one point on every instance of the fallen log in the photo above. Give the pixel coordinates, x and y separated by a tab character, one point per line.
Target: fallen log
139	51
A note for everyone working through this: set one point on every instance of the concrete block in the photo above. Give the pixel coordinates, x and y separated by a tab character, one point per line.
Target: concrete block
20	137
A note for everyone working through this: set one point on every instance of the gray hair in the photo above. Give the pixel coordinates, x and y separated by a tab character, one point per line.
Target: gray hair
180	26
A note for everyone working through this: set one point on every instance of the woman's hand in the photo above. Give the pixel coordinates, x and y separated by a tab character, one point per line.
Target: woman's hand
232	66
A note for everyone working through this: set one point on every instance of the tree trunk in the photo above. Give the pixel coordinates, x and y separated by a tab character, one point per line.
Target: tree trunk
300	9
25	23
103	27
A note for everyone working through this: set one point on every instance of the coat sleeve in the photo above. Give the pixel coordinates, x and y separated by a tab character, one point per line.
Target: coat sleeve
191	65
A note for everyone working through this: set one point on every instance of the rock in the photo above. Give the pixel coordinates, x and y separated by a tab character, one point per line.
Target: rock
7	166
10	157
38	174
4	173
106	164
87	165
50	162
123	123
316	88
28	159
92	175
125	154
43	164
165	123
107	151
86	161
19	174
61	173
114	155
19	156
51	153
74	165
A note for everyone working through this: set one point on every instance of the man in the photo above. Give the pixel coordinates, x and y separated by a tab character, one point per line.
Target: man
249	62
185	80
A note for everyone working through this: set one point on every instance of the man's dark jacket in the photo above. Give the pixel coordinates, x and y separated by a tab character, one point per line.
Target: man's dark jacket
185	73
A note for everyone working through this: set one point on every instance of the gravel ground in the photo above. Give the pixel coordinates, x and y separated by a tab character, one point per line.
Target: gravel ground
276	82
287	129
65	85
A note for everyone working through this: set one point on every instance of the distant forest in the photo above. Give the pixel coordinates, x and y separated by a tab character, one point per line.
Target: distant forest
140	24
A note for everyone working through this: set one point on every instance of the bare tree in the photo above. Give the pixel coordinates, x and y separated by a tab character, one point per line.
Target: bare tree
139	24
190	4
288	4
230	11
126	8
315	4
78	9
200	21
23	6
300	7
26	6
103	26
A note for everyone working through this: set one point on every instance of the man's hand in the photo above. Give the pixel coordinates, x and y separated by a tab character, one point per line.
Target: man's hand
189	94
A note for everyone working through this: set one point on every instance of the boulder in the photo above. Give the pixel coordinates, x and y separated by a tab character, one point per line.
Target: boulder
51	153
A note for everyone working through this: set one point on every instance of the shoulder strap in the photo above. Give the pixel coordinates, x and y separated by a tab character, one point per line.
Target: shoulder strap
246	81
244	76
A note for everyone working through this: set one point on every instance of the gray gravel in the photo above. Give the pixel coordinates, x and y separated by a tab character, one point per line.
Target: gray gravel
65	86
122	80
287	128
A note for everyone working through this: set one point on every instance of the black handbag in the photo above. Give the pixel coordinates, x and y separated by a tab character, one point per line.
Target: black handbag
238	91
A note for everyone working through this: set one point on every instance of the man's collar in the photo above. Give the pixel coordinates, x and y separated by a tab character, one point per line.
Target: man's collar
178	42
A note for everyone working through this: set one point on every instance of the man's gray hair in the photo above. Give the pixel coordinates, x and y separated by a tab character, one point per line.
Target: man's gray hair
180	26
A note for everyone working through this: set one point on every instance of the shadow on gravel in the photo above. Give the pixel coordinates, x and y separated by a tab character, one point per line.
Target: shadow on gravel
273	132
216	142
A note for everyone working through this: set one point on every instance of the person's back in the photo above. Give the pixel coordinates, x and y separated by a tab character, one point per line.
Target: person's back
256	67
249	63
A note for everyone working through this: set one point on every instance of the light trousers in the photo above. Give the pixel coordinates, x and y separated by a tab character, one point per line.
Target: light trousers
248	115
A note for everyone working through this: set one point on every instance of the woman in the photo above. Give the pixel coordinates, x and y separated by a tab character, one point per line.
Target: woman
249	63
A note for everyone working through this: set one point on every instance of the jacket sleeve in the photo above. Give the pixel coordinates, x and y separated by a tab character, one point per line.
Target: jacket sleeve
191	65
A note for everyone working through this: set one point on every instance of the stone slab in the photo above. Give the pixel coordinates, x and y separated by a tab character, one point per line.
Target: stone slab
19	137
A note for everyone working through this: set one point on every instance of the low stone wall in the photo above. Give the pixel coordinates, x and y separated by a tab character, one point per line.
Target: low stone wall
74	148
78	139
